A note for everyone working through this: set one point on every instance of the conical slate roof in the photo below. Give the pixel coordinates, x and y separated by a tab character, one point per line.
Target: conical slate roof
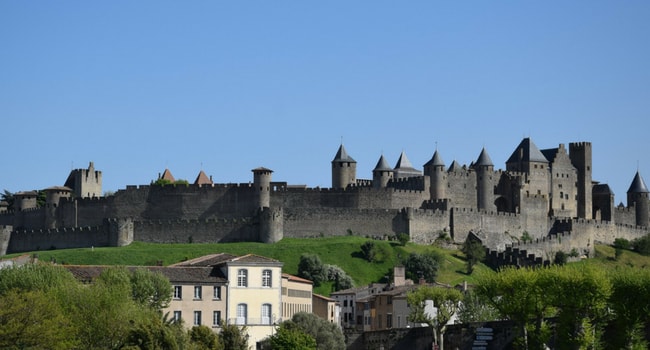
527	152
342	156
436	160
638	185
454	167
382	165
403	162
483	159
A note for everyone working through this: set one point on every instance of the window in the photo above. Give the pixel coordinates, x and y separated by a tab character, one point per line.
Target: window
216	318
242	278
266	314
217	293
345	303
197	318
242	312
197	292
389	321
177	316
178	292
266	278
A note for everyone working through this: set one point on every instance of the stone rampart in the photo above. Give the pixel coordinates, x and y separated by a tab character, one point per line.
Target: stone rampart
491	225
424	225
313	222
197	231
60	238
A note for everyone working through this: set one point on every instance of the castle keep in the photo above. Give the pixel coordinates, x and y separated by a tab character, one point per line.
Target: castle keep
547	196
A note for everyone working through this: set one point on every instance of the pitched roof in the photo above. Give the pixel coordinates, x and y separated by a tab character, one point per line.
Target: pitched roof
167	175
318	296
175	274
254	259
403	162
483	159
296	278
436	160
203	179
638	185
207	260
382	165
527	152
602	189
342	156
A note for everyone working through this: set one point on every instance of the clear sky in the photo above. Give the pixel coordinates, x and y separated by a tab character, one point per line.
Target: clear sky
227	86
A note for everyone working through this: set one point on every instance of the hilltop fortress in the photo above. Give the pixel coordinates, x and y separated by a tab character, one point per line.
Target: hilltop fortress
547	197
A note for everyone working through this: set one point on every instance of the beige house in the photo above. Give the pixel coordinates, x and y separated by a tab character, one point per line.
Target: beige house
326	308
296	295
254	290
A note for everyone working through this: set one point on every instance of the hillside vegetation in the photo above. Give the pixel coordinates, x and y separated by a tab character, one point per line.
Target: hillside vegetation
343	251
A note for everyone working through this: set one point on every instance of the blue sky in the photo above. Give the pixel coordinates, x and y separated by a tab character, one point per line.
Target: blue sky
140	86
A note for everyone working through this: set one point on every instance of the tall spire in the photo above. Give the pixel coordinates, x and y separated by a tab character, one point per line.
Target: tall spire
638	185
342	156
483	159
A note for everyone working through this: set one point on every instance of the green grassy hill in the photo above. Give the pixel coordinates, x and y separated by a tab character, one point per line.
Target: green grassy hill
342	251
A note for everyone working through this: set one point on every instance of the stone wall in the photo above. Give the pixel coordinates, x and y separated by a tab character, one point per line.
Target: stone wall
313	222
197	231
62	238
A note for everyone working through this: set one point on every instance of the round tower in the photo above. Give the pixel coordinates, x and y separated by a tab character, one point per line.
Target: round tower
484	170
435	170
53	196
262	184
382	173
25	200
638	195
344	169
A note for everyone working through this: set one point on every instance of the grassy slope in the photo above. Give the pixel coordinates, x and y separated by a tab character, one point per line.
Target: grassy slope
342	251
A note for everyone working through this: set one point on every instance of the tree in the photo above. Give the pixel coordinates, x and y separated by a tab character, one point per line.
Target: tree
446	301
9	198
560	258
290	337
474	309
403	238
327	335
203	338
517	294
580	294
311	268
233	337
422	265
151	289
474	253
31	320
630	303
340	278
38	276
368	250
642	245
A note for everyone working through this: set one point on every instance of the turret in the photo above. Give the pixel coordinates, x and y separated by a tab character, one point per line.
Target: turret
85	182
638	195
344	169
404	168
484	170
435	170
52	197
25	200
382	173
580	154
262	184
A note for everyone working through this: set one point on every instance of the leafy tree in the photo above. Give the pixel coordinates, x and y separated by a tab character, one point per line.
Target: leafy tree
642	245
9	198
31	320
517	294
203	338
368	250
474	253
290	337
152	289
621	243
341	279
475	309
560	258
580	294
311	268
424	265
630	303
153	333
403	238
327	335
525	237
446	301
39	276
234	337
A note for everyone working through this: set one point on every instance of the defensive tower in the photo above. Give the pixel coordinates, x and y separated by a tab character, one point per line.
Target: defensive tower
52	197
435	170
484	170
382	173
85	182
344	169
580	154
638	194
262	183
